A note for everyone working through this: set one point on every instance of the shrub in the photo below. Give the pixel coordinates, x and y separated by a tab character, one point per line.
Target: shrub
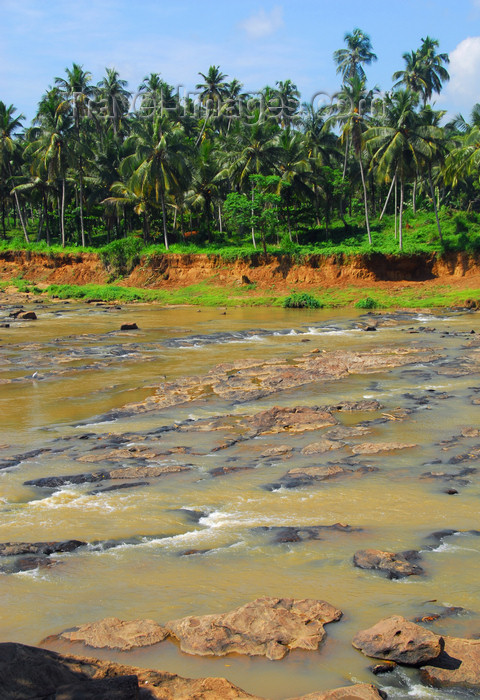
367	303
301	301
121	256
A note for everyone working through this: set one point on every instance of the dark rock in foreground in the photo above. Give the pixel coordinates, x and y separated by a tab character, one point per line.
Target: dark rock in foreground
52	482
394	565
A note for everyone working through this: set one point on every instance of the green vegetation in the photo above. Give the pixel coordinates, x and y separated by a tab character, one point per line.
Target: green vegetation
367	303
301	300
365	174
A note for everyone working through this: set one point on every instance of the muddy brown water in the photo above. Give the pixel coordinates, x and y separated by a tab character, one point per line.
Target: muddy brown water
62	376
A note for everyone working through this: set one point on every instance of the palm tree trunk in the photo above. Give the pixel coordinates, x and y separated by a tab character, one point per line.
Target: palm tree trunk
164	217
253	228
388	197
434	203
15	194
396	206
82	229
400	229
365	199
45	208
3	220
220	222
62	214
414	197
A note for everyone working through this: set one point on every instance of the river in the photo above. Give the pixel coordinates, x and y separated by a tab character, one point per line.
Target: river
192	543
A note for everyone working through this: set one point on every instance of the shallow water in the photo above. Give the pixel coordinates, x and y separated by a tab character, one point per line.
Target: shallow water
63	375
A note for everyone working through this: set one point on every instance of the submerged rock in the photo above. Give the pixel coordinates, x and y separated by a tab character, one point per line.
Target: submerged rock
112	633
305	476
266	627
9	549
398	639
361	691
129	327
304	534
104	474
371	448
397	566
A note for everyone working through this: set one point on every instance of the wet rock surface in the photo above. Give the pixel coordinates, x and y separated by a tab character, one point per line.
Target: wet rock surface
9	549
395	565
113	633
52	482
458	665
397	639
268	627
300	477
286	535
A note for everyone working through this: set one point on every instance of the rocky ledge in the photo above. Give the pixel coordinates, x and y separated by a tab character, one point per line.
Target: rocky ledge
27	673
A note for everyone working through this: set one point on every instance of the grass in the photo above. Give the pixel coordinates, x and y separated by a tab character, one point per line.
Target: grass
209	294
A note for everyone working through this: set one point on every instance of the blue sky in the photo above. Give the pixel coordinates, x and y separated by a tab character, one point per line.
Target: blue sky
256	42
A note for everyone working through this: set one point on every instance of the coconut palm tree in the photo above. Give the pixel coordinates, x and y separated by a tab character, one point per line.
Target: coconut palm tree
213	92
157	167
350	61
112	92
10	153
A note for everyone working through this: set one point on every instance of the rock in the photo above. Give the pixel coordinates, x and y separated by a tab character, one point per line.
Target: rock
266	627
397	639
470	432
119	688
361	691
129	327
29	672
450	611
112	633
9	549
457	665
397	566
371	448
29	563
277	451
321	446
370	328
285	535
104	474
305	476
28	316
384	667
4	325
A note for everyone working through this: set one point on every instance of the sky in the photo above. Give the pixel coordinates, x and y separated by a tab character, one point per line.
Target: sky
258	43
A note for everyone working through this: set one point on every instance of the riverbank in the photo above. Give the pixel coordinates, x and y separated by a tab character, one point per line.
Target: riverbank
383	281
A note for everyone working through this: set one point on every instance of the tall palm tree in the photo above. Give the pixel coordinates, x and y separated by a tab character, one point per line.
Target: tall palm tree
350	61
112	91
158	164
424	71
157	96
402	144
77	90
9	152
294	169
213	92
354	105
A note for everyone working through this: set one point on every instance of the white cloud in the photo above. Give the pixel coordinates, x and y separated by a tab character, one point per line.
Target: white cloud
462	92
263	23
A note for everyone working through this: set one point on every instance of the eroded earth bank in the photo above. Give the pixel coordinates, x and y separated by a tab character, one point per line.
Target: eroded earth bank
261	503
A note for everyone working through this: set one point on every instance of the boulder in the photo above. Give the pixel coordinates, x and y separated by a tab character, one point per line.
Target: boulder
129	327
277	451
288	534
394	565
265	627
119	688
361	691
29	672
305	476
28	316
397	639
457	665
113	633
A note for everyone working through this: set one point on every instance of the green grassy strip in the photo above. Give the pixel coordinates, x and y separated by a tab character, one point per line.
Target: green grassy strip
206	294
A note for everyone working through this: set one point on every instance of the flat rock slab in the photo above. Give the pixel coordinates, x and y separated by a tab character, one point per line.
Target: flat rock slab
398	639
289	534
299	477
265	627
321	446
372	448
457	665
104	475
29	672
112	633
395	565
